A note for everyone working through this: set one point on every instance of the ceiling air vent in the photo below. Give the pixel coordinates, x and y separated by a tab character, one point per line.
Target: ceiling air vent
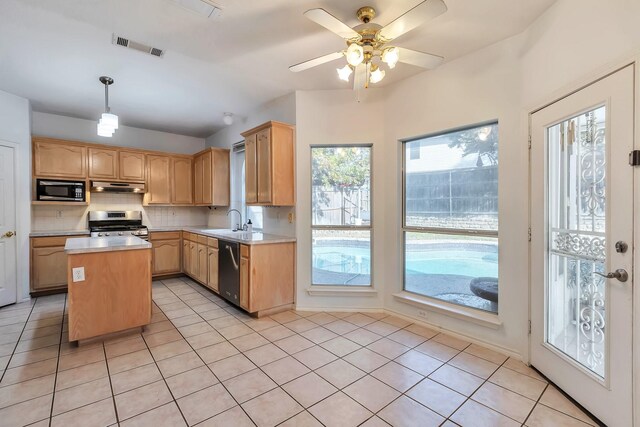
124	42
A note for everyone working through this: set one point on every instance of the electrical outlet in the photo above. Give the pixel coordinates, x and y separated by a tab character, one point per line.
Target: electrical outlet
422	313
59	214
78	274
290	217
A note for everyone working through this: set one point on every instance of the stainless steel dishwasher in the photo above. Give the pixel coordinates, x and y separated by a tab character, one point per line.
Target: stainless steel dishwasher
229	271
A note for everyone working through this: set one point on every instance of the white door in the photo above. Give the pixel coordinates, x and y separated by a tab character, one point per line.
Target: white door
8	248
581	206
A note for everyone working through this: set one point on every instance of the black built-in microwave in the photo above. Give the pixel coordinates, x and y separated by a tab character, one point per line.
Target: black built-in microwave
53	190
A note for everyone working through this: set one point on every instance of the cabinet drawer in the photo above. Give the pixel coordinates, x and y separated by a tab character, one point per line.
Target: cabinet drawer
202	239
244	251
212	242
47	242
164	235
186	235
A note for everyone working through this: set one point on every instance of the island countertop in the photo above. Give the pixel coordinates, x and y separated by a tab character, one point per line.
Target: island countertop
81	245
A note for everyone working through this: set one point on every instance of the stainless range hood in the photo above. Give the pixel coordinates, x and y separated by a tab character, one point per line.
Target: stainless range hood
117	187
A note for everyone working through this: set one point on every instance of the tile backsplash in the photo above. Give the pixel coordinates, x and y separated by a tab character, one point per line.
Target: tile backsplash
45	218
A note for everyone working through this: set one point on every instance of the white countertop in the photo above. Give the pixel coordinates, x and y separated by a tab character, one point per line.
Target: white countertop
255	238
81	245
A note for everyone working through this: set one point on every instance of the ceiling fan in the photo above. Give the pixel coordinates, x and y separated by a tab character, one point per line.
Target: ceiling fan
368	43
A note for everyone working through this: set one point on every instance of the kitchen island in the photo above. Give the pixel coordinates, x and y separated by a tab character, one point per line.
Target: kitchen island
109	285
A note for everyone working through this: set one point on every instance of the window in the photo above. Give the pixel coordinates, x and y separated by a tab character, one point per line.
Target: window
253	213
450	212
341	215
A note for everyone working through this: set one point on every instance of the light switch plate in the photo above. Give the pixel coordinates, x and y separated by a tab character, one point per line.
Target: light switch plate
78	274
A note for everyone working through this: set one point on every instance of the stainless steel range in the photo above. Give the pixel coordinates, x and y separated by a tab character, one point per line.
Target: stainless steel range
117	223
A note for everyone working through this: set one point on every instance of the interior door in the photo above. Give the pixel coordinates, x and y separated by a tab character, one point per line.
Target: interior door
582	230
8	269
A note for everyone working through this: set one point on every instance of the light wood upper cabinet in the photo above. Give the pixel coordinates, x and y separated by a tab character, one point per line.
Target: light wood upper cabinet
131	166
158	180
251	168
182	188
269	165
212	177
103	163
57	158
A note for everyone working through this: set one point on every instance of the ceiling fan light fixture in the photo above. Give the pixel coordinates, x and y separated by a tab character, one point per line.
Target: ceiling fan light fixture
344	73
391	56
376	75
355	54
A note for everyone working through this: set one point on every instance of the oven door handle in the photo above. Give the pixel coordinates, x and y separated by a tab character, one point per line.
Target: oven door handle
233	258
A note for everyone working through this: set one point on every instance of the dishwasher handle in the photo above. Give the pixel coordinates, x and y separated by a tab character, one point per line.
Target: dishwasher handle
233	258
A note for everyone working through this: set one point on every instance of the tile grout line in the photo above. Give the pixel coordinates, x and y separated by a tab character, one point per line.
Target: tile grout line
113	396
200	357
13	352
55	380
536	404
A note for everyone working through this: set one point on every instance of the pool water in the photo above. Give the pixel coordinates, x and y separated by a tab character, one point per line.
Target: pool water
459	261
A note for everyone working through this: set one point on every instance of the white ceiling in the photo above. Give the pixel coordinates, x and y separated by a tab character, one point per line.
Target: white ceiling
53	51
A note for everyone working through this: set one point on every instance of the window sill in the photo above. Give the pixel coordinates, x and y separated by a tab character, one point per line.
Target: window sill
489	320
366	291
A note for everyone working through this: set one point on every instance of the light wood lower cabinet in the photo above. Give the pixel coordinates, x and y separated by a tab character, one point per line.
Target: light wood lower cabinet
212	274
48	264
193	260
185	256
203	264
267	277
166	253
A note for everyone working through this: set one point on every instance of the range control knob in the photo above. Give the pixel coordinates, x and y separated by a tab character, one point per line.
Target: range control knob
106	234
120	233
99	234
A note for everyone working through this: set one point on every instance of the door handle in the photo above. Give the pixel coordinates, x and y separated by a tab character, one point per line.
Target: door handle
620	274
8	234
233	258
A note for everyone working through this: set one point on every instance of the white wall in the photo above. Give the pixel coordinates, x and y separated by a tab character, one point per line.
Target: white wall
281	109
64	127
503	81
15	128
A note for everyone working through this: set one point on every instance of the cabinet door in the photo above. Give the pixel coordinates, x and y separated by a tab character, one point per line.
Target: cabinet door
131	166
264	165
103	163
185	256
166	257
158	179
59	160
193	260
48	268
212	279
244	282
203	265
182	189
221	178
207	179
198	195
250	169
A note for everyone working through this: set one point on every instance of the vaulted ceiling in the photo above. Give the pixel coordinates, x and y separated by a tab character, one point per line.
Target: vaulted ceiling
53	51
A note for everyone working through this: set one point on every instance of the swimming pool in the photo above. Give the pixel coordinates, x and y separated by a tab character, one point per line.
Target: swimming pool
462	260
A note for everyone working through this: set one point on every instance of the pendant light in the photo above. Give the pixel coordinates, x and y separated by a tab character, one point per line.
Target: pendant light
108	123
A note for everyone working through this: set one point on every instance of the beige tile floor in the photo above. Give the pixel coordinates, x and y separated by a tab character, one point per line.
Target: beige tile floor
202	362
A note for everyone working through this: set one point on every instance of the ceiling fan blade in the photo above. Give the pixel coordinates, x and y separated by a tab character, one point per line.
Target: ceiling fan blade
425	11
419	59
360	77
331	23
316	61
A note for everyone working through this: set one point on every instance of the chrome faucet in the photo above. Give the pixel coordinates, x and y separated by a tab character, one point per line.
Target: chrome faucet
238	224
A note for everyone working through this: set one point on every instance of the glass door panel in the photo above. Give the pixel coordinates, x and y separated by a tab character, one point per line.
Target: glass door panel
576	293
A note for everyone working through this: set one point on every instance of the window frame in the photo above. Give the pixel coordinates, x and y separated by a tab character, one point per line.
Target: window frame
239	149
404	228
368	227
